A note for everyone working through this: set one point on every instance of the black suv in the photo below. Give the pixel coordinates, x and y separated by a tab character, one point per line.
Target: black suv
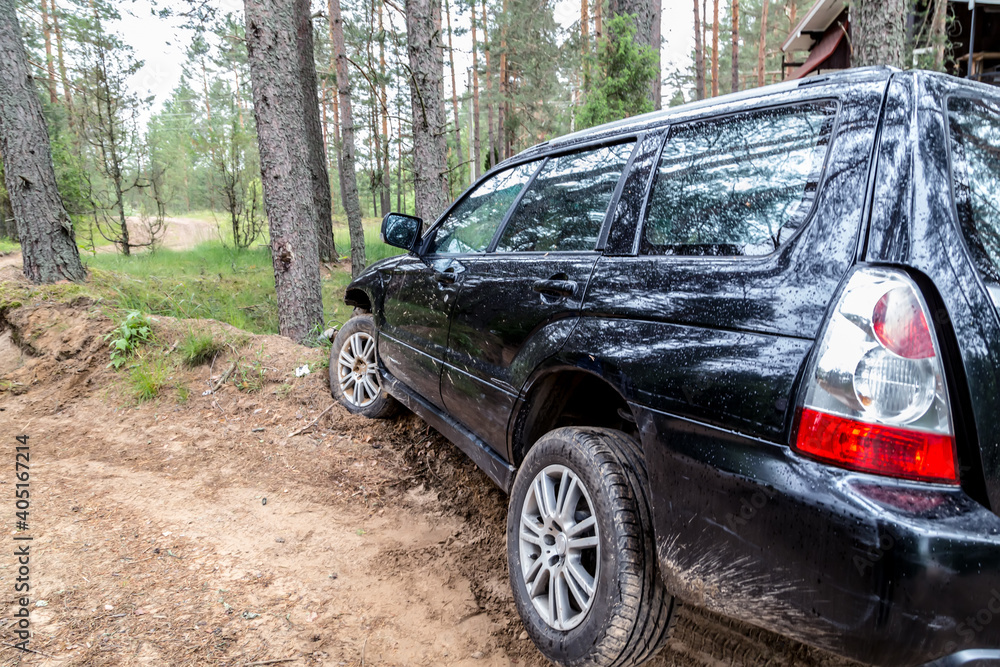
741	353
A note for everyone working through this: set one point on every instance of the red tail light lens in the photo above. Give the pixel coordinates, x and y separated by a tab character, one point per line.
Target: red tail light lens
899	324
874	394
876	448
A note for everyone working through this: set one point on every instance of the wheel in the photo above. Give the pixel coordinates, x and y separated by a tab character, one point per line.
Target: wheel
354	376
581	553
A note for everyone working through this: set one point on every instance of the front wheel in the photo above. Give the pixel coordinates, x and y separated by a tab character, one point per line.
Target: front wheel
354	370
581	554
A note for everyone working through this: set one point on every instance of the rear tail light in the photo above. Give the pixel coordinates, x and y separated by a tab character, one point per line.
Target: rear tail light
875	398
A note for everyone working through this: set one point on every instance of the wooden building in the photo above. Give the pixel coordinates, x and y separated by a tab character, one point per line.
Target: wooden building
821	41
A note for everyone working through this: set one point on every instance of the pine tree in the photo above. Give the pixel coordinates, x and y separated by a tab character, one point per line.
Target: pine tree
424	48
622	77
348	179
878	33
646	15
48	247
282	135
699	54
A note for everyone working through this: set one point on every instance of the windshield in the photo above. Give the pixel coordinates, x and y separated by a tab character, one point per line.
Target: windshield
975	149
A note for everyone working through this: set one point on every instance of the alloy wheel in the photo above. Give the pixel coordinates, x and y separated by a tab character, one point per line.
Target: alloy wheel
560	547
357	370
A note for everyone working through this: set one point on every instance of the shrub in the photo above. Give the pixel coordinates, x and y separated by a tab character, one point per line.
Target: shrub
134	330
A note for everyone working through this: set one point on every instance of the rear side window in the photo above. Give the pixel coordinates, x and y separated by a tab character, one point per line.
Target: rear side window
975	152
471	225
564	207
739	185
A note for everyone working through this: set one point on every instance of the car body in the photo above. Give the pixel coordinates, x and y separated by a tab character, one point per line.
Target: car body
704	352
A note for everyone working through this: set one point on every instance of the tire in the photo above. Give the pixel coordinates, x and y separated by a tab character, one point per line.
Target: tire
354	376
629	615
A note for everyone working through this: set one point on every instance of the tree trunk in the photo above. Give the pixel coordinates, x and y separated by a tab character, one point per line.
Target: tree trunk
585	44
647	23
792	10
762	45
454	88
399	170
504	90
939	36
48	248
878	33
735	11
705	43
715	48
282	136
699	54
429	166
348	175
654	42
492	146
67	89
386	182
335	104
598	23
50	67
319	177
477	157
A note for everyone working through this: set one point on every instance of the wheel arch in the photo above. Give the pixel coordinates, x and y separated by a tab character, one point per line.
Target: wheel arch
358	298
566	395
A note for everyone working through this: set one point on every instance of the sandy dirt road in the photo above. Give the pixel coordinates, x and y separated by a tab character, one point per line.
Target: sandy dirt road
179	234
200	529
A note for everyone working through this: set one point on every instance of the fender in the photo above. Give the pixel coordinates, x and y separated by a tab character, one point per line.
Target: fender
368	289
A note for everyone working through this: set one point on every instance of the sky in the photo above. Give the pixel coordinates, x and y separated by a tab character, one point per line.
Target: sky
160	43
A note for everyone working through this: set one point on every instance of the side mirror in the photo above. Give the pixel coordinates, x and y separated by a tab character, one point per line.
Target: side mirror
401	231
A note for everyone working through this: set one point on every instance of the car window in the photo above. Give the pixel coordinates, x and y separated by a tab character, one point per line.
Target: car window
471	225
739	185
975	143
564	208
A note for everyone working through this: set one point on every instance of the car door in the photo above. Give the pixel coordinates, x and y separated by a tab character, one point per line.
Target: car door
420	290
751	221
534	276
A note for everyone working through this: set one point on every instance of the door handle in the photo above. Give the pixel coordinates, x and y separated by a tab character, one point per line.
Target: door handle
446	277
556	288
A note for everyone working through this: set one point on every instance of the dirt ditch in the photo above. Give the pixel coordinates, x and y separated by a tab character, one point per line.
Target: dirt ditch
196	529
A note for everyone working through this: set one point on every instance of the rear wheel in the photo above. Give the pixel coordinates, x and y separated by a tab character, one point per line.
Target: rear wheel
354	370
581	553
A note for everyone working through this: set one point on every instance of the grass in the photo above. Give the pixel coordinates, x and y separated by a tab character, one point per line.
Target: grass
6	245
374	248
197	348
148	377
250	376
209	281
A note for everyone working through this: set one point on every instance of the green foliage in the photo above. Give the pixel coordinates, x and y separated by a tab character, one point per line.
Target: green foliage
209	282
148	377
126	338
621	76
197	348
250	376
375	249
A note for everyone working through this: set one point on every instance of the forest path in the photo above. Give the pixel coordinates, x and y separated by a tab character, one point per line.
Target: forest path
229	528
181	234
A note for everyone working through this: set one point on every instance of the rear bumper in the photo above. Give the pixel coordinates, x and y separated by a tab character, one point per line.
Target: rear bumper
970	658
889	573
